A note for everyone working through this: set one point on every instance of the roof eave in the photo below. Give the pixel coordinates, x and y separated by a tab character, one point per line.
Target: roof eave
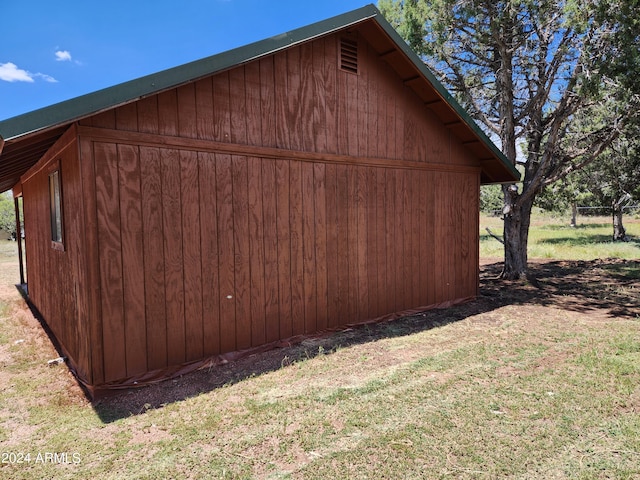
447	97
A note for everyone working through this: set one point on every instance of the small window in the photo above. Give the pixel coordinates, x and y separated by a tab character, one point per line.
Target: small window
55	201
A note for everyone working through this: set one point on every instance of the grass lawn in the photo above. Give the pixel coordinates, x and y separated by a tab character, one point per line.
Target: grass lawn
522	383
552	237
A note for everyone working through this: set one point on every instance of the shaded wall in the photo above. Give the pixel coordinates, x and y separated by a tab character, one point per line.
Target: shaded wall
57	278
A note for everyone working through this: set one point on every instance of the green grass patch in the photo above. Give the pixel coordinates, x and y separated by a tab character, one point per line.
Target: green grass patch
553	238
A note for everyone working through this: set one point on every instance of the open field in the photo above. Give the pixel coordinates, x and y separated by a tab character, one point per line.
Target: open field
552	237
524	382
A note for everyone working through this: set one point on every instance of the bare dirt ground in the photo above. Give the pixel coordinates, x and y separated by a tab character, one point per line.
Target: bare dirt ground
598	289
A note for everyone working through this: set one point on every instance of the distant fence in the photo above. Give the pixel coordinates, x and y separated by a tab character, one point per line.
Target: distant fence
587	211
606	211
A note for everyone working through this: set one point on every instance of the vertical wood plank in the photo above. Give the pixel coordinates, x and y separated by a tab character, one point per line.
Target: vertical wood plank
342	113
226	252
372	258
103	120
94	301
352	242
465	285
382	256
474	264
271	282
353	105
414	198
267	102
281	89
148	121
242	267
173	255
309	272
133	259
452	244
110	248
382	127
319	123
253	103
422	188
395	238
360	177
296	232
256	237
168	113
283	187
389	121
343	225
238	107
429	238
204	109
332	251
362	112
209	258
77	295
192	255
308	99
330	92
222	109
187	117
399	122
406	225
439	231
153	245
127	117
320	201
294	99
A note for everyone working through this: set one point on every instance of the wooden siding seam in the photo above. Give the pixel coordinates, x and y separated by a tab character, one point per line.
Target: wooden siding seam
172	142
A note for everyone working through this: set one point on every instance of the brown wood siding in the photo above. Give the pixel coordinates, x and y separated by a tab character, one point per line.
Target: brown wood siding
257	249
279	198
58	279
298	99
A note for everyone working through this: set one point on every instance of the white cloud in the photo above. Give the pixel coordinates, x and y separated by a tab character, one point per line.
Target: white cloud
9	72
45	77
63	56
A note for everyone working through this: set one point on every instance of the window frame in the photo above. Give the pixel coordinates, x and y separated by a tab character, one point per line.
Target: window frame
56	214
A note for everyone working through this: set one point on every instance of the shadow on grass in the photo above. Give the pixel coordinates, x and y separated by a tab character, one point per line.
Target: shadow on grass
594	239
610	287
576	241
133	402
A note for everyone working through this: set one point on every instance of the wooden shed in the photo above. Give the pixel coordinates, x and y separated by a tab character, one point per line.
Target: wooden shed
309	181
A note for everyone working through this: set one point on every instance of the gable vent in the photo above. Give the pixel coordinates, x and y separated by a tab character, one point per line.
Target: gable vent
349	55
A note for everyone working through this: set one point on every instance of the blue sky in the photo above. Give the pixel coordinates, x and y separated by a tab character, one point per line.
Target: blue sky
53	51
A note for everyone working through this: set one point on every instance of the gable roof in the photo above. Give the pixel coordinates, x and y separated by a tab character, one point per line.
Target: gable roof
27	137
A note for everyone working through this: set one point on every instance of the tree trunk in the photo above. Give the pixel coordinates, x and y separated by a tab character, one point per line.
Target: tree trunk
517	217
619	233
574	214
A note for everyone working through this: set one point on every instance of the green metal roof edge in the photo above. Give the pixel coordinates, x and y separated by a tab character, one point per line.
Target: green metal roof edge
70	110
443	92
